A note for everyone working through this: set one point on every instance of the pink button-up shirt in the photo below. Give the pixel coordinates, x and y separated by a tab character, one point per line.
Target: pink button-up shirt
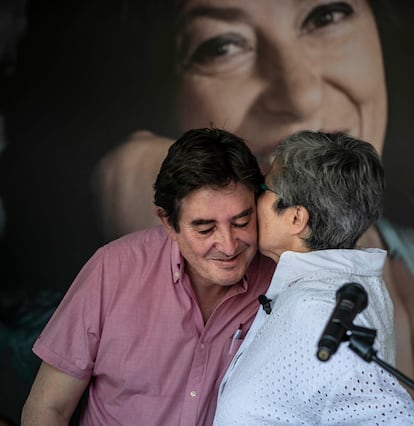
131	323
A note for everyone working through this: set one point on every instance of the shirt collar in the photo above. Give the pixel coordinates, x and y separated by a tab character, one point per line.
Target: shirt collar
294	265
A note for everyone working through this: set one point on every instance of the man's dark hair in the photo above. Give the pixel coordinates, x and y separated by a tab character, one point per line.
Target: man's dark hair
203	157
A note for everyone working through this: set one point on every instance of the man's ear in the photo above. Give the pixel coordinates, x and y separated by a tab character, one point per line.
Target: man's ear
299	219
166	223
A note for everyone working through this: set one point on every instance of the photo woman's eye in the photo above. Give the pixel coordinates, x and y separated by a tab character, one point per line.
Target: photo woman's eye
218	51
326	14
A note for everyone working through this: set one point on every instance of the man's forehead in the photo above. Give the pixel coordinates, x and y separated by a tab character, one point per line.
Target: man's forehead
213	204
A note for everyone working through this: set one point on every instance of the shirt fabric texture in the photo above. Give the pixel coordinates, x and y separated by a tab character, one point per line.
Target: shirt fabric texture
131	323
276	378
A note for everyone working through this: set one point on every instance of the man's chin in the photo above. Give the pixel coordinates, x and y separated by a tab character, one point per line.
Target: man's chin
228	278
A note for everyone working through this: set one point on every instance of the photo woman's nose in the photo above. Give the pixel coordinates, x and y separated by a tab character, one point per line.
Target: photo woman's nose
293	82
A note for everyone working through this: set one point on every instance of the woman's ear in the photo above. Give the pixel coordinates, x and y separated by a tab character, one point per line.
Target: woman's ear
299	219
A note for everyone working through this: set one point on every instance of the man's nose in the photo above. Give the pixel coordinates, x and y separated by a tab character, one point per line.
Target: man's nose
226	242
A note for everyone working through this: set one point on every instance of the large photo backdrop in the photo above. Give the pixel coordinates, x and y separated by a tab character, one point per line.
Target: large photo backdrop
98	90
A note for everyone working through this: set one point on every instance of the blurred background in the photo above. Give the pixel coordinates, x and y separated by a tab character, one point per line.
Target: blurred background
74	84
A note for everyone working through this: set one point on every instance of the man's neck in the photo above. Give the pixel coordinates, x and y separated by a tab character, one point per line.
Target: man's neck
209	298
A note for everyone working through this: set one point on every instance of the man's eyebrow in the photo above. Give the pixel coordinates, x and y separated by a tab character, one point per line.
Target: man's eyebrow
244	213
204	11
198	222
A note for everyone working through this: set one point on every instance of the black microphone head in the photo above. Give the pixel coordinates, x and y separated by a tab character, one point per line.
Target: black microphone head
262	299
354	292
265	302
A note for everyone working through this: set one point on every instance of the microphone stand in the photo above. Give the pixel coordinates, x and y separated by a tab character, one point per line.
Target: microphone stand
361	340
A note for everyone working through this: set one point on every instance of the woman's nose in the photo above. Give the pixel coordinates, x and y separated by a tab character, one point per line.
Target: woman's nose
293	83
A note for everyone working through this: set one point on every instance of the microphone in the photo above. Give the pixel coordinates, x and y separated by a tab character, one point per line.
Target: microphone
351	299
265	302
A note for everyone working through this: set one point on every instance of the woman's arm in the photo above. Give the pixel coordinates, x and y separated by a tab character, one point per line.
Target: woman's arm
123	184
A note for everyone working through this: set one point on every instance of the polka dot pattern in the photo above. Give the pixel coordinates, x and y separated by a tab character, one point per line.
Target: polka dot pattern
278	380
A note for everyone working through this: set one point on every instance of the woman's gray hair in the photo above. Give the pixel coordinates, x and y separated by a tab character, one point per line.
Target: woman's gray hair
337	178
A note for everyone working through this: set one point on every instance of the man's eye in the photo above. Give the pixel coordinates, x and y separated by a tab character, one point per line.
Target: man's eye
326	14
240	225
215	49
206	231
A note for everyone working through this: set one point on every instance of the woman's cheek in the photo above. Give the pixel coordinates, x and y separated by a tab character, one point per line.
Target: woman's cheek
225	103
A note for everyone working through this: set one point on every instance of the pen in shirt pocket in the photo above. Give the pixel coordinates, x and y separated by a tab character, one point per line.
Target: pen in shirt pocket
236	336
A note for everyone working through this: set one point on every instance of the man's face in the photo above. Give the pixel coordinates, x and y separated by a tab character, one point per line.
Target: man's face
217	234
267	68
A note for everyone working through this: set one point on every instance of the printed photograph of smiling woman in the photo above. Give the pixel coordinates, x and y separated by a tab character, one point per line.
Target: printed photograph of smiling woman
104	97
264	70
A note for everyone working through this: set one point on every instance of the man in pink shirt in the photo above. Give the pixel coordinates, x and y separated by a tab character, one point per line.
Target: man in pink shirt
153	319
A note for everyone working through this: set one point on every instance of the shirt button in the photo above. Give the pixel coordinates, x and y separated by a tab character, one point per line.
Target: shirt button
193	394
202	346
177	274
